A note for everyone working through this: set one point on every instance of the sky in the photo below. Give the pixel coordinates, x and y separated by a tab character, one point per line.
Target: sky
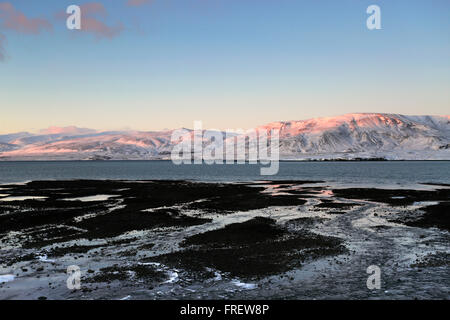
157	64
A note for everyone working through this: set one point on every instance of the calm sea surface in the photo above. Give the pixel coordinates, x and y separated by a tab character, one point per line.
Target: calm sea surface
347	173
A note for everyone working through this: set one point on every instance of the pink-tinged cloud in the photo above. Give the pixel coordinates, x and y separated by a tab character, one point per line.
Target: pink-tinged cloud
100	29
93	8
15	20
137	3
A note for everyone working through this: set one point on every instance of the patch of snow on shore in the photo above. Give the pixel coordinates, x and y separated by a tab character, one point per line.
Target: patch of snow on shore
6	278
246	286
23	198
99	197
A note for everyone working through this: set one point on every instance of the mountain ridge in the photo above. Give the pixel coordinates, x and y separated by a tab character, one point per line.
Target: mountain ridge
349	136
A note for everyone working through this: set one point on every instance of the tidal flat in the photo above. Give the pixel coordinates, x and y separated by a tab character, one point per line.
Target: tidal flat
168	239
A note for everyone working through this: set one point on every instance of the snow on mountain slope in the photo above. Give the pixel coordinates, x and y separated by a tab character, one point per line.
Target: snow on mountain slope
133	145
390	136
350	136
6	147
13	136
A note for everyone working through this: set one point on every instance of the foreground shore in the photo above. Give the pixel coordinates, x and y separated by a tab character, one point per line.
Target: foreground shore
180	239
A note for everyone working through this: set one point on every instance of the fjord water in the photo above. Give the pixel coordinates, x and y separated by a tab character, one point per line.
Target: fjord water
385	173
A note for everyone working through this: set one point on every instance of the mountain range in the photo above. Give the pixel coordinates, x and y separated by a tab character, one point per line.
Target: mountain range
349	136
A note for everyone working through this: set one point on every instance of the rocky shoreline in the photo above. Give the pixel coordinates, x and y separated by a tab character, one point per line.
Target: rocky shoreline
179	239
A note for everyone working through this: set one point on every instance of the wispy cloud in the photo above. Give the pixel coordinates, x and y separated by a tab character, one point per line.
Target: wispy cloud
137	3
12	19
91	23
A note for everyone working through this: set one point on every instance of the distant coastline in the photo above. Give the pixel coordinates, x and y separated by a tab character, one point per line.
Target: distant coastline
235	162
349	137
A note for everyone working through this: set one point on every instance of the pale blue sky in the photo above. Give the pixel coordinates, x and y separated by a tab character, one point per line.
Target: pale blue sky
230	63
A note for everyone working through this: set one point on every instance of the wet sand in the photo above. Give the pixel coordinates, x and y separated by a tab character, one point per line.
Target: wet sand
191	240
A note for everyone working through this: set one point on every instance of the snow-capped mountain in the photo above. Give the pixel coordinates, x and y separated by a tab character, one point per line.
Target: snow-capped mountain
350	136
390	136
